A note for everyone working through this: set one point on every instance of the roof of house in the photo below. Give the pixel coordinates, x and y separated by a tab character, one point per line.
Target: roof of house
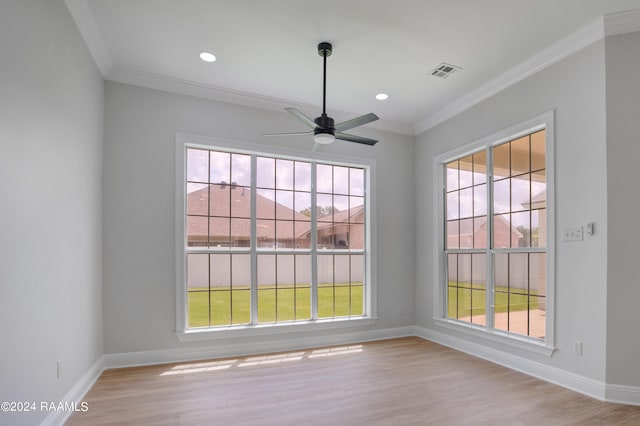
235	201
342	216
238	204
470	227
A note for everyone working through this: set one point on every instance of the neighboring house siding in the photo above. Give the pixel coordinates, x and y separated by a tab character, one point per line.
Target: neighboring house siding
343	229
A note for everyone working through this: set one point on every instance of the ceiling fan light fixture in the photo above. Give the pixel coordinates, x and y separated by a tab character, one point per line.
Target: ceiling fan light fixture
324	138
382	96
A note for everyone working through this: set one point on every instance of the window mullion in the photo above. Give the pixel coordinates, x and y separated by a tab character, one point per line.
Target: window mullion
253	243
445	258
490	299
314	245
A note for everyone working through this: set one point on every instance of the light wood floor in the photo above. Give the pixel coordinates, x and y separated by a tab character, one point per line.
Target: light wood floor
405	381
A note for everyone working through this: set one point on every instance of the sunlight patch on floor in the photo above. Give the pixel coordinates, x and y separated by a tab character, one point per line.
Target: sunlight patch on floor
252	361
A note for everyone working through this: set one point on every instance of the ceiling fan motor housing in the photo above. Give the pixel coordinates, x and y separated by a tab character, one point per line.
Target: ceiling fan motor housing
325	124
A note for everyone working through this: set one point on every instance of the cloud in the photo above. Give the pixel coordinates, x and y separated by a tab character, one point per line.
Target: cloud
338	186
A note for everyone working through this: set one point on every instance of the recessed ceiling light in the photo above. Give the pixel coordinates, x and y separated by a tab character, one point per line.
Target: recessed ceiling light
382	96
207	56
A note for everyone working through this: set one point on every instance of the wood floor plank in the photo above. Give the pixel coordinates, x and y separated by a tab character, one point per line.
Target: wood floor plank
406	381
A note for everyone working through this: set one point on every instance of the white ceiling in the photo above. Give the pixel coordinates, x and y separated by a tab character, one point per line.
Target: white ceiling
267	50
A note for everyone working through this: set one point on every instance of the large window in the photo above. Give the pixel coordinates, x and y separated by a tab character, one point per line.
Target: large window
271	240
496	228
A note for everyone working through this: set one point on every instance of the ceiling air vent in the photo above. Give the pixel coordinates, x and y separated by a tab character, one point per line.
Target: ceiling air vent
444	70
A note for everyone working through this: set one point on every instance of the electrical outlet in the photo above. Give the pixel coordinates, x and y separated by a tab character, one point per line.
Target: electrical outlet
577	348
572	234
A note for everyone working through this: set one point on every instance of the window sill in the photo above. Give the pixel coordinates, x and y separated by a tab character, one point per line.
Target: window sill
269	329
520	342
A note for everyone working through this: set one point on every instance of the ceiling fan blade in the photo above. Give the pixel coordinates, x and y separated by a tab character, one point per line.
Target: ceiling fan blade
288	134
354	138
355	122
300	116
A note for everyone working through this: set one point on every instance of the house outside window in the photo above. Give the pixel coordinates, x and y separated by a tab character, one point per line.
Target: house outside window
271	239
496	227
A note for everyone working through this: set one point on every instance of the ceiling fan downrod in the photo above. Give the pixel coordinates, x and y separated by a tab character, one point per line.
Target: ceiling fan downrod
324	122
324	50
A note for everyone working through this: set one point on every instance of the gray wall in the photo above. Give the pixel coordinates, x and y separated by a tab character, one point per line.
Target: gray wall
51	128
575	89
139	284
623	152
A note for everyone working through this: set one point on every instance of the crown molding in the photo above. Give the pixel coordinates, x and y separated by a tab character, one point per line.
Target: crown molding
82	14
151	80
576	41
607	25
622	22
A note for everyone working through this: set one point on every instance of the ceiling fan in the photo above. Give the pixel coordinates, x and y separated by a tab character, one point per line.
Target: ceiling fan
324	130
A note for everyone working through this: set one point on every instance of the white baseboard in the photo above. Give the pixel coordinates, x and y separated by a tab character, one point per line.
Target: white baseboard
220	350
76	394
593	388
622	394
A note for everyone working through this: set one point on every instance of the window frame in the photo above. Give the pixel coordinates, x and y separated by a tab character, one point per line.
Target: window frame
544	346
183	332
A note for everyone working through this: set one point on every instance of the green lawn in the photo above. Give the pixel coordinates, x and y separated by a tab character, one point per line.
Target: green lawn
471	300
286	303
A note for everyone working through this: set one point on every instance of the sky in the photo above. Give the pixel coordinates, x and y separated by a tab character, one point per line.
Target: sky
509	195
286	181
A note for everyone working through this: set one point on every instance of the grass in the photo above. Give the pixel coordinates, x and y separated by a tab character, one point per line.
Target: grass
286	303
468	300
